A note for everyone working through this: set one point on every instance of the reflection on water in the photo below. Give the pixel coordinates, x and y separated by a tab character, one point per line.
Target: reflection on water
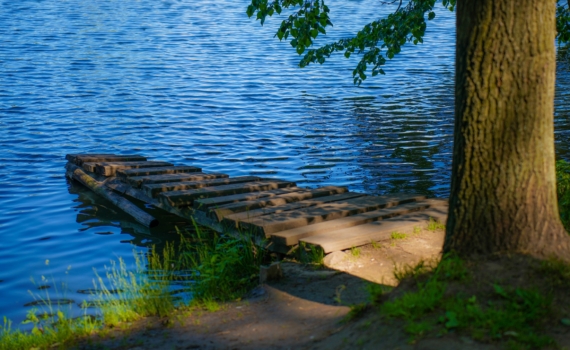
217	91
97	216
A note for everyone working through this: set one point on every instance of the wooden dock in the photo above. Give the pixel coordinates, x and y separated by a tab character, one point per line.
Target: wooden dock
330	217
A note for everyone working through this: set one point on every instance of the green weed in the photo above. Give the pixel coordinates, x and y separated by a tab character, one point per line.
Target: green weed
144	291
434	225
398	235
556	270
225	267
515	315
311	254
417	230
355	312
376	245
355	252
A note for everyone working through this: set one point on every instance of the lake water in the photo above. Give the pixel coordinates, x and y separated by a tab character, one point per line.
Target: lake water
197	83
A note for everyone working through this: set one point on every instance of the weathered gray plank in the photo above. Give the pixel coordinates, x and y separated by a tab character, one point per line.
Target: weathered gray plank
80	159
109	168
375	231
157	171
138	181
292	236
279	199
233	218
152	190
269	224
187	197
206	203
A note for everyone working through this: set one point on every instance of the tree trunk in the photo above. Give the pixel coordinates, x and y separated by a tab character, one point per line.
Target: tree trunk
503	189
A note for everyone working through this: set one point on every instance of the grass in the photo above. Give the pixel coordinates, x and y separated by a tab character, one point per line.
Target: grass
398	235
311	254
434	225
355	252
513	315
376	245
222	268
225	267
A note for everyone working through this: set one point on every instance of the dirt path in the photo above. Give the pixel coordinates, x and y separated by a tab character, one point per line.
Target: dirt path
303	310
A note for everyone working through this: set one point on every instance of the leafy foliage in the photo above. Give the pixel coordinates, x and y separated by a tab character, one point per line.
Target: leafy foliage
375	42
515	315
563	22
563	190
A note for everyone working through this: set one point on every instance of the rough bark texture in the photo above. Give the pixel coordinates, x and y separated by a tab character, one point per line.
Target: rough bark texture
503	191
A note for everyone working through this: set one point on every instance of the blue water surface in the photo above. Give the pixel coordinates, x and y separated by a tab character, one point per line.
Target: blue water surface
197	83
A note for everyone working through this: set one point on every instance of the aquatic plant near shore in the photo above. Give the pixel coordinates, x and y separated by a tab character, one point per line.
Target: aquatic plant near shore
223	267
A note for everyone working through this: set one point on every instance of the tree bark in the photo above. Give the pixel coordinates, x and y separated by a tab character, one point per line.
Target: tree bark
503	189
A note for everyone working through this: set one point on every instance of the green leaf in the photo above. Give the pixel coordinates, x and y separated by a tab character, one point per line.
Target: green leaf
565	321
431	15
452	321
499	290
250	10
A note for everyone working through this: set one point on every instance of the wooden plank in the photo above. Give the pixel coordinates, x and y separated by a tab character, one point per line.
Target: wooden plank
221	211
72	157
233	218
375	231
187	197
109	168
124	173
269	224
80	159
206	203
292	236
138	181
152	190
138	214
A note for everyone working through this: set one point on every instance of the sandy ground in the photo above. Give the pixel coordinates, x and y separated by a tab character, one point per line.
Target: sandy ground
303	310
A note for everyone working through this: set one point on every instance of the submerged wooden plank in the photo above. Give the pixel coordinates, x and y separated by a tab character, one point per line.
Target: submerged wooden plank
279	199
187	197
109	168
157	171
138	181
80	159
292	236
206	204
375	231
138	214
247	214
153	190
269	224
